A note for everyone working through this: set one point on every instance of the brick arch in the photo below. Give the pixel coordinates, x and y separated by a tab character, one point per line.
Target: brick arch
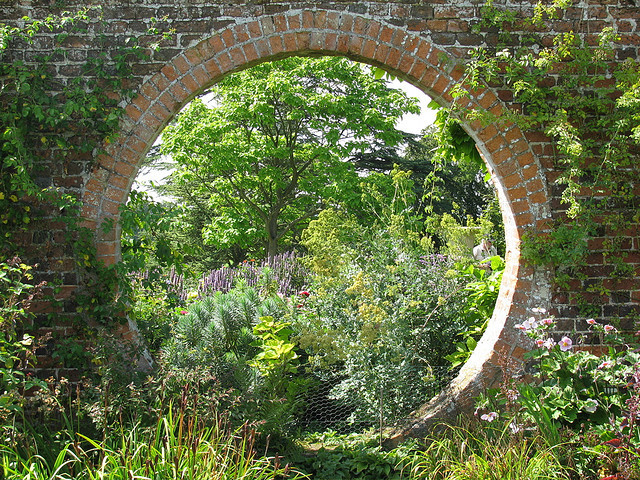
522	190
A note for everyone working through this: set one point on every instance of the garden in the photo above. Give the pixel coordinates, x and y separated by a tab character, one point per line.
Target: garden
303	277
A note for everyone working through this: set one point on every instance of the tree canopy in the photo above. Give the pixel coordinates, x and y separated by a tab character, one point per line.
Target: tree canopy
269	149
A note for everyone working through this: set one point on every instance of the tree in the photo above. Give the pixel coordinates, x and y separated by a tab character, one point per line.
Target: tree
269	151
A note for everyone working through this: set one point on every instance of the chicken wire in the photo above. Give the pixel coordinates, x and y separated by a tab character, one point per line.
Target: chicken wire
389	402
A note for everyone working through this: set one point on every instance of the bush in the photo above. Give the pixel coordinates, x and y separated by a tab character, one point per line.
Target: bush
382	308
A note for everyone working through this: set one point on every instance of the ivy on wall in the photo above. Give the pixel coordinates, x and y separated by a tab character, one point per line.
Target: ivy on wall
55	124
576	89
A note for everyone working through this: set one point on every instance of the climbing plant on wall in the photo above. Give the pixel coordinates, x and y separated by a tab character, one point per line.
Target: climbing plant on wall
55	126
578	91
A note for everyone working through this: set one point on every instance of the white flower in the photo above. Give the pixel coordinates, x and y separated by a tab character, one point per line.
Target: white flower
592	405
515	428
565	343
606	364
539	343
609	328
512	395
539	310
549	343
489	417
591	321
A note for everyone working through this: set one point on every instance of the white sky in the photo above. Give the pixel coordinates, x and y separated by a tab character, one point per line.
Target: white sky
409	123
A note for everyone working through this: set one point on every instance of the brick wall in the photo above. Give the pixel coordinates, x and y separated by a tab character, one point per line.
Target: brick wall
416	40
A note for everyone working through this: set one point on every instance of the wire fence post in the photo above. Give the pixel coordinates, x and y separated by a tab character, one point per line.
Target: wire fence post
381	410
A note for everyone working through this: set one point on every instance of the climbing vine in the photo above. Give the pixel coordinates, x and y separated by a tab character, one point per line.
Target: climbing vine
573	87
55	126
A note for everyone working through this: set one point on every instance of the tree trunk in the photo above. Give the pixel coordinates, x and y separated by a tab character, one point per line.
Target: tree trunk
272	236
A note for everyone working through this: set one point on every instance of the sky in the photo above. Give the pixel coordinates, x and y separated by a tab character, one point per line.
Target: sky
409	123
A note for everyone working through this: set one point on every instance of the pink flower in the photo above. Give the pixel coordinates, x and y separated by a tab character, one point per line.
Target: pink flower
489	417
539	343
565	343
547	322
606	364
512	395
591	321
183	312
549	343
609	329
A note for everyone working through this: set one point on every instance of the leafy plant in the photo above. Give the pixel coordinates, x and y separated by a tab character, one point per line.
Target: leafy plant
16	293
482	294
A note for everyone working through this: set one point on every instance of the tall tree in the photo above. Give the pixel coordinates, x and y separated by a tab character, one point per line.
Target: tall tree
269	150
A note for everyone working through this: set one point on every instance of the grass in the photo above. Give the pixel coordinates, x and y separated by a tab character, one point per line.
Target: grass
177	448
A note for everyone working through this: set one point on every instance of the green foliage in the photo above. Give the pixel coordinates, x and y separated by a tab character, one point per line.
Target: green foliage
16	293
276	357
487	453
144	239
447	182
179	446
381	307
574	395
356	461
50	126
478	305
270	154
574	89
233	337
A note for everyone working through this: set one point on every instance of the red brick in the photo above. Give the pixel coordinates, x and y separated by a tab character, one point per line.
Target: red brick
241	32
382	52
125	169
442	84
201	77
320	19
386	34
374	29
181	64
149	90
225	62
429	77
294	22
303	39
331	41
179	93
333	21
360	26
346	22
168	101
512	181
398	38
355	44
406	62
393	59
290	44
535	185
152	121
307	19
133	113
170	72
369	49
417	70
250	52
237	56
254	29
267	26
342	44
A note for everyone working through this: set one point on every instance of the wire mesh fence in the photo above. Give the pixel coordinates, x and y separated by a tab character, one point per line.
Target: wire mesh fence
331	402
